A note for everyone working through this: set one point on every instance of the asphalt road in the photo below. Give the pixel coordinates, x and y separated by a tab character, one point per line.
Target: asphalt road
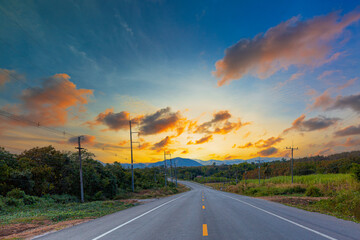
204	213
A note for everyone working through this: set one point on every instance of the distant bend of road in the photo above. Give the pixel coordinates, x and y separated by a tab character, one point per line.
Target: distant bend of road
204	213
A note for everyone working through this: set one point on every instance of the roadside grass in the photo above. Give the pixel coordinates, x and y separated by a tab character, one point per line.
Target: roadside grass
56	212
18	208
333	194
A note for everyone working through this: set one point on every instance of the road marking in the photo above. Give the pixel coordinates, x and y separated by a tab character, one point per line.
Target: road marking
203	206
203	199
205	232
285	219
104	234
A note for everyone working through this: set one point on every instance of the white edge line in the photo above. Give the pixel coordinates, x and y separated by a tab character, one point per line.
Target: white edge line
106	233
285	219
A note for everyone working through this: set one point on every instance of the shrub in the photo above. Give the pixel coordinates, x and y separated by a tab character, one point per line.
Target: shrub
357	212
29	200
313	191
99	196
356	171
16	193
13	202
65	198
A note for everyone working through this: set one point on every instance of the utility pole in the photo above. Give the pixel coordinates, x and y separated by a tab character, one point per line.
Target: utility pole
175	173
166	166
292	162
171	170
132	159
259	161
81	176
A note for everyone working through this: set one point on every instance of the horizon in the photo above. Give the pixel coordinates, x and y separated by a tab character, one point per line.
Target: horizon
200	80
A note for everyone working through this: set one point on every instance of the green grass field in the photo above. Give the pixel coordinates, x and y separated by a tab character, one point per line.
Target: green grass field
340	193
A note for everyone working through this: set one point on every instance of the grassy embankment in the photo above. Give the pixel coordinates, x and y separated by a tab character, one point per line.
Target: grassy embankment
333	194
19	212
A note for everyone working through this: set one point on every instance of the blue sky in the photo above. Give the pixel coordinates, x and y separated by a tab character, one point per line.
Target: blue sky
142	56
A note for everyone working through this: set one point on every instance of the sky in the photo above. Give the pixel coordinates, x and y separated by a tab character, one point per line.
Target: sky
198	79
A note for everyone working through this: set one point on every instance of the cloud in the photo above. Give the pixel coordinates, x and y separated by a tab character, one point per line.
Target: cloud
220	124
324	101
114	121
123	143
268	152
352	102
323	151
327	73
317	123
185	151
268	142
162	144
247	145
352	142
161	121
48	104
293	42
292	78
7	75
201	140
347	84
351	130
85	139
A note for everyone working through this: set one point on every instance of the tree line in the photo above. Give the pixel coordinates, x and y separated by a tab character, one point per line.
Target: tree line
336	163
44	170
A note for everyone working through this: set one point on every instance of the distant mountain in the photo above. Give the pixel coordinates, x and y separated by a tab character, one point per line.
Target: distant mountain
180	162
136	165
187	162
237	161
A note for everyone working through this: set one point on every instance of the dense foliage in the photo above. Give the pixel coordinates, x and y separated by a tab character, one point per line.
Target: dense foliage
42	171
347	162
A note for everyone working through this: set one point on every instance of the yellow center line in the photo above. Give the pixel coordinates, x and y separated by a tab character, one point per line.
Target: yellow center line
205	232
203	206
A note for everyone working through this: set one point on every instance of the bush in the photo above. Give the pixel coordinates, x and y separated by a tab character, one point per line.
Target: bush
65	198
356	171
14	202
16	193
313	191
29	200
99	196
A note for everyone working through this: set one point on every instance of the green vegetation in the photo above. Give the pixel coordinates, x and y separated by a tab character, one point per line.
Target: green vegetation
42	185
334	194
46	171
54	208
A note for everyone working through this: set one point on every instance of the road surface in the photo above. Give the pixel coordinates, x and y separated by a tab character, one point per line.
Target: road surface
204	213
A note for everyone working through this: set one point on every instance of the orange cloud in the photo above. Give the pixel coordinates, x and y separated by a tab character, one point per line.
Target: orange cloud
202	140
247	145
268	142
48	104
186	151
220	124
159	146
123	143
161	121
114	121
294	42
